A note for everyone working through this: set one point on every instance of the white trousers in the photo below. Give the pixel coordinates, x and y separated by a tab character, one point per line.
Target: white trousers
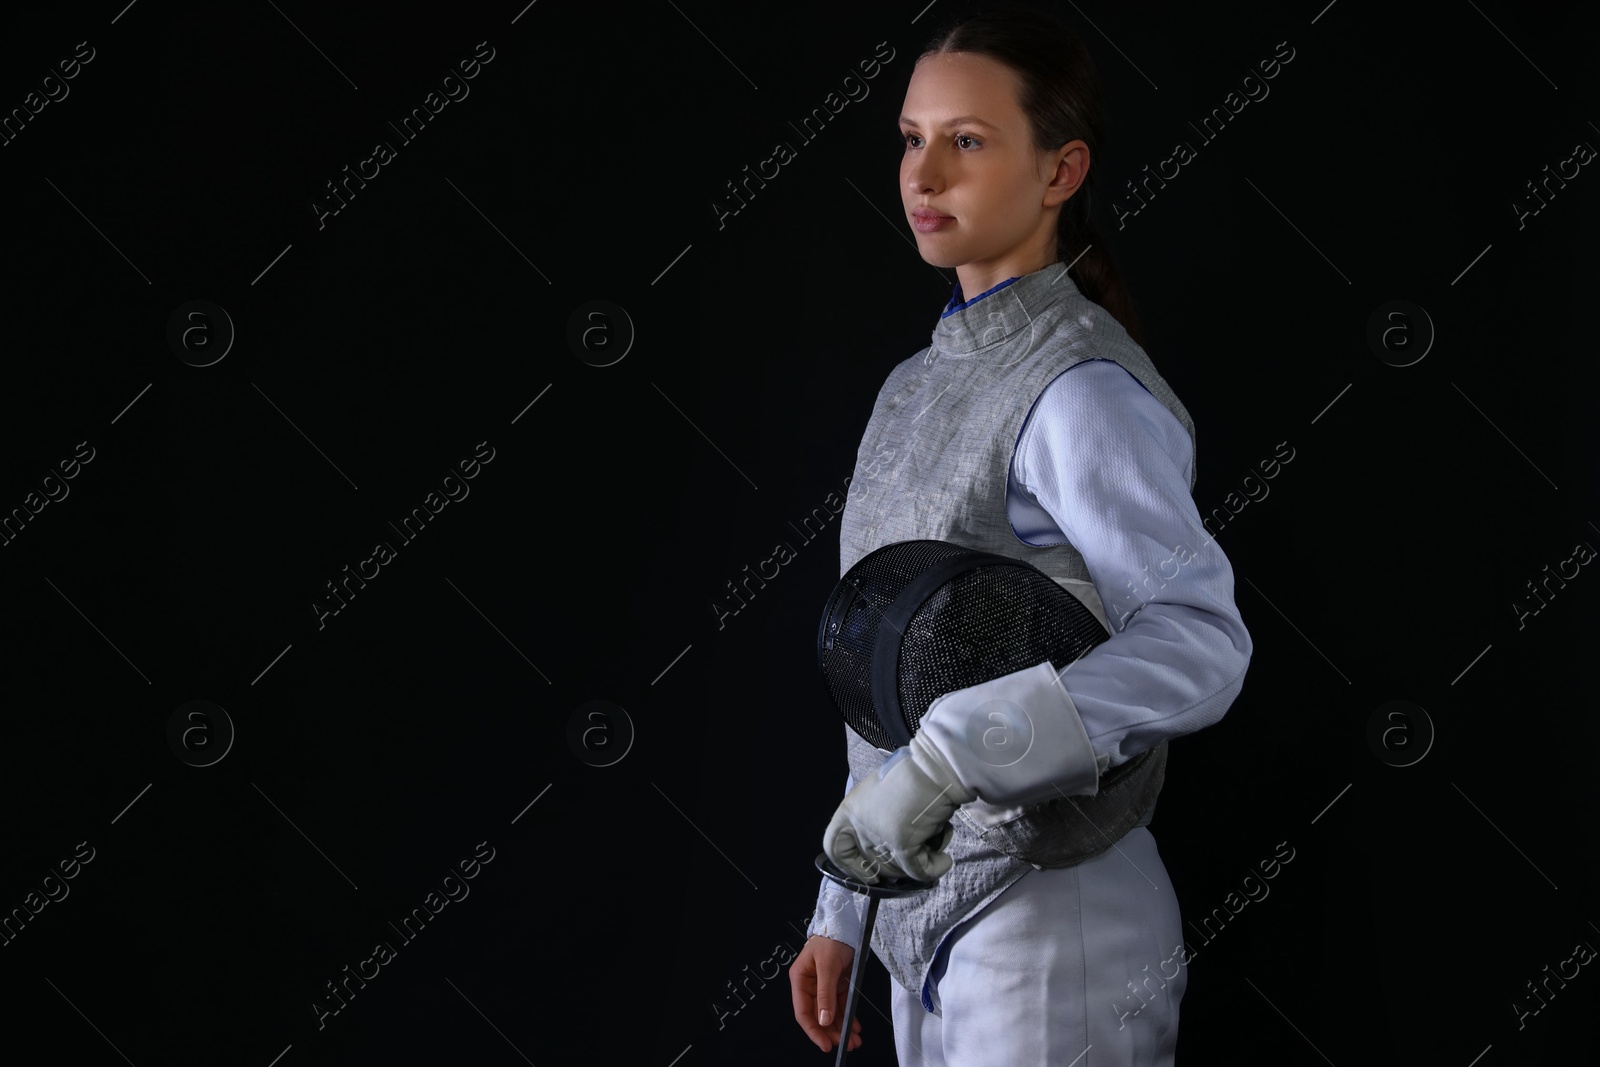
1070	967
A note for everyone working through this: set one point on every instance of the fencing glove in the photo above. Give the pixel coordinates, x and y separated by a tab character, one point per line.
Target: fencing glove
1016	739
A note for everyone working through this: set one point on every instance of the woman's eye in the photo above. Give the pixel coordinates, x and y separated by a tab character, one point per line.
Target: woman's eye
905	139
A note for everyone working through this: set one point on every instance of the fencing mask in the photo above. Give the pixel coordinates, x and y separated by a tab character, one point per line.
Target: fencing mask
914	620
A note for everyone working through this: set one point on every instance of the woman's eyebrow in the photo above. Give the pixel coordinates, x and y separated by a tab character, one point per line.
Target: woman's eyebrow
959	120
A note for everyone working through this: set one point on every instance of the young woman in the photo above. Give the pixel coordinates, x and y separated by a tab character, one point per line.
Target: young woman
1035	426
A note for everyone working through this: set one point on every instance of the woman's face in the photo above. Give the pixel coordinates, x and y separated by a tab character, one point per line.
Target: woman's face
1001	195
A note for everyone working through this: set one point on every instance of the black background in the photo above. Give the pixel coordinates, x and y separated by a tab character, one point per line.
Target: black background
376	751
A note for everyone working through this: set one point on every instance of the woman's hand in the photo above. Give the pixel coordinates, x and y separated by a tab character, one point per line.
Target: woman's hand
819	980
897	822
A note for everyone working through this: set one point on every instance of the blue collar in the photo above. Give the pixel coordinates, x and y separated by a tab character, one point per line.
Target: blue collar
967	330
956	303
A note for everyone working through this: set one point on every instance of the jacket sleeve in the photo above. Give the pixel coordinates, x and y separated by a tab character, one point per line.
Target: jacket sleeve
1104	465
840	913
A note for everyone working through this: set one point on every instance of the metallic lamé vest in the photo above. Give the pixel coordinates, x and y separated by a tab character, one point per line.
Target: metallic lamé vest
933	463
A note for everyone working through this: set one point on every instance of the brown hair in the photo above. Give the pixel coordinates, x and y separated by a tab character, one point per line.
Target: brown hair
1061	99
